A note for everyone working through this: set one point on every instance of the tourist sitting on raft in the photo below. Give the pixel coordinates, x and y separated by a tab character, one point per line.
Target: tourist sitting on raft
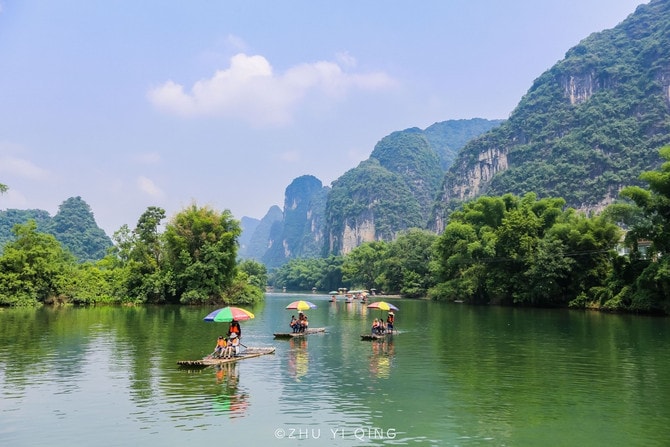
220	348
378	327
295	327
299	325
233	348
302	320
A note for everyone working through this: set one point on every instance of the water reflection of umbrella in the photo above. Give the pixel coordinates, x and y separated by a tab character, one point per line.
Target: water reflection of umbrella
228	314
298	359
235	405
382	305
301	305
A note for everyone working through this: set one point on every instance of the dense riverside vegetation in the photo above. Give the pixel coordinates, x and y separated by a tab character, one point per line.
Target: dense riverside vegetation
194	261
505	250
525	251
513	250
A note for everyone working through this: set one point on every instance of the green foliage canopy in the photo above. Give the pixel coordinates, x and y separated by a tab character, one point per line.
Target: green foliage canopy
513	250
33	268
201	248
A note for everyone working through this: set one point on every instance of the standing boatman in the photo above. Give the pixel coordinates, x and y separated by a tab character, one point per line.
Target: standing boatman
235	328
389	321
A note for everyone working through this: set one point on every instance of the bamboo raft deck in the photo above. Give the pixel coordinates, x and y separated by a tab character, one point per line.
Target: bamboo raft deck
210	361
378	336
308	331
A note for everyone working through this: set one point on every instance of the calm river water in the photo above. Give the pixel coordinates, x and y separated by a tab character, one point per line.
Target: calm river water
455	376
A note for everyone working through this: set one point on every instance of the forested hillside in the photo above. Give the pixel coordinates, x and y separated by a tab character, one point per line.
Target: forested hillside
73	226
447	138
587	127
392	191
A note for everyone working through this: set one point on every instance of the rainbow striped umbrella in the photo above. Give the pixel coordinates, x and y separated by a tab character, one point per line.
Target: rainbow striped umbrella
228	314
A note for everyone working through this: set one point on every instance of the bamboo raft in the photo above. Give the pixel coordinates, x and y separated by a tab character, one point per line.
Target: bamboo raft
378	336
299	334
210	361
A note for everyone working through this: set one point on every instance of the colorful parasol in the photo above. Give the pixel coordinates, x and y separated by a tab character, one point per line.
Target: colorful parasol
301	305
382	305
228	314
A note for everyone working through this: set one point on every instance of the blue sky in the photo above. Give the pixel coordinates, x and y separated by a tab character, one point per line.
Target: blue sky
131	104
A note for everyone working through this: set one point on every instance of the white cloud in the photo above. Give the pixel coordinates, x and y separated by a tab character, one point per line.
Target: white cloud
148	187
251	91
21	168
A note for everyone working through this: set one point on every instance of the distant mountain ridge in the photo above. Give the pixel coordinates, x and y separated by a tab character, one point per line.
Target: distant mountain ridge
73	226
587	127
392	191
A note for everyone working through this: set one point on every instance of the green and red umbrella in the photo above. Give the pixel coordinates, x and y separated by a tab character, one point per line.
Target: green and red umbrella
228	314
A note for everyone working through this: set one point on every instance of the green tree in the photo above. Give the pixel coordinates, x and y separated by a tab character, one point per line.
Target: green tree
147	279
257	273
299	274
526	251
34	268
406	269
651	290
302	274
362	266
201	249
460	264
590	243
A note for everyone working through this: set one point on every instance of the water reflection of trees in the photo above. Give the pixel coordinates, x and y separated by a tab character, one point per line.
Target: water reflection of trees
145	342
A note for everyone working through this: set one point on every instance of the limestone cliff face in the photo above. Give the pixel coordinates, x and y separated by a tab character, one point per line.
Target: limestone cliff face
664	80
390	192
469	176
300	233
357	232
579	88
490	161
